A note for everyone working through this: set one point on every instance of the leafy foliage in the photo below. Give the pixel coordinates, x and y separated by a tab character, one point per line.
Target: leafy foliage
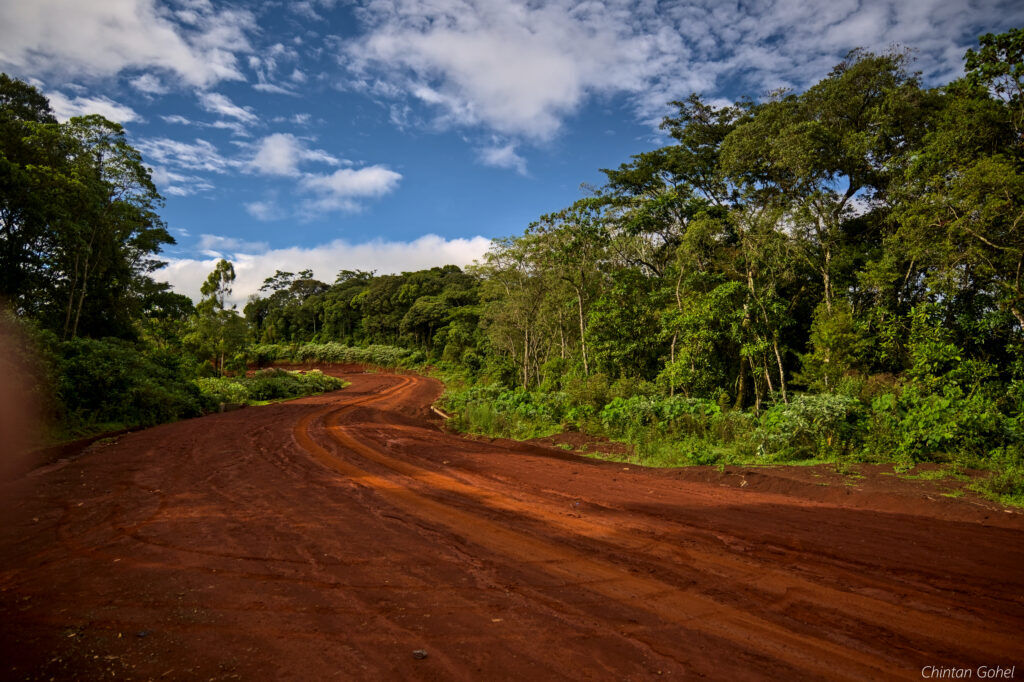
267	384
116	383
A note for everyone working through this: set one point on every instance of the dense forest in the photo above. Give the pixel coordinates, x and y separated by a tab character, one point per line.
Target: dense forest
833	274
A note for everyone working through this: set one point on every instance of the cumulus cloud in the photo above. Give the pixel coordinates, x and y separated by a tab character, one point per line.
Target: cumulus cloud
503	156
520	67
252	266
340	190
176	162
197	43
65	107
308	8
281	154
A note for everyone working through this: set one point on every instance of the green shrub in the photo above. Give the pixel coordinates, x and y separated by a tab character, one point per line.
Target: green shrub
675	415
107	382
917	425
336	353
267	384
1007	480
826	424
222	389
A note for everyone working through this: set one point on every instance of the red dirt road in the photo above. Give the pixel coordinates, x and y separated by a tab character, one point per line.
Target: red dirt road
330	537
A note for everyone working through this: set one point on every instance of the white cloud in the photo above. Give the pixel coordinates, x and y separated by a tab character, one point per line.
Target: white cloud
281	154
503	156
340	190
273	89
150	84
238	129
102	39
253	266
216	103
307	8
65	107
266	65
520	67
178	184
177	118
175	163
196	156
217	246
264	210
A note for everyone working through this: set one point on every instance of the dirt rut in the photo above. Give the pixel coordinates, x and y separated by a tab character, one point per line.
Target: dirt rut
331	537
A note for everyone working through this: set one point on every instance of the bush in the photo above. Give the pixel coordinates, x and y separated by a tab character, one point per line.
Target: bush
675	415
1007	480
336	353
497	411
110	382
917	425
826	424
222	389
267	384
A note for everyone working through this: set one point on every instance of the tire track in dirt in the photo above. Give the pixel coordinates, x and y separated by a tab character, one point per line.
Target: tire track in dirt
938	625
682	606
332	535
721	566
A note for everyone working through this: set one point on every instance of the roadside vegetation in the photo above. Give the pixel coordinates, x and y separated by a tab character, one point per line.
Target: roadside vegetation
266	385
833	275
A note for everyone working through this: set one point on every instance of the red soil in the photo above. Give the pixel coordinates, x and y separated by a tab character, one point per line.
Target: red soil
330	537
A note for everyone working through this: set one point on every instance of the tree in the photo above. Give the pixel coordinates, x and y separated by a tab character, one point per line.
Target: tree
961	192
219	330
78	223
569	247
109	249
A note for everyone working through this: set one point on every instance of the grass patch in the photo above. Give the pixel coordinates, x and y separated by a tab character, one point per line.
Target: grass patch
935	475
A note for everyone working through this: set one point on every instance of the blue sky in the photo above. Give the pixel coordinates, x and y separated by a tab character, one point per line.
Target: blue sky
400	134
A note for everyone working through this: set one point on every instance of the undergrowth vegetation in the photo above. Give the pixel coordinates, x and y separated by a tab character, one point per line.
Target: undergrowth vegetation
902	426
335	353
267	384
104	384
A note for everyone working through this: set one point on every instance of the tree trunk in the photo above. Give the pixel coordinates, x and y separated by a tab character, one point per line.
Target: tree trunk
81	298
672	361
583	340
71	300
827	280
757	388
85	282
526	358
782	373
741	389
561	334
